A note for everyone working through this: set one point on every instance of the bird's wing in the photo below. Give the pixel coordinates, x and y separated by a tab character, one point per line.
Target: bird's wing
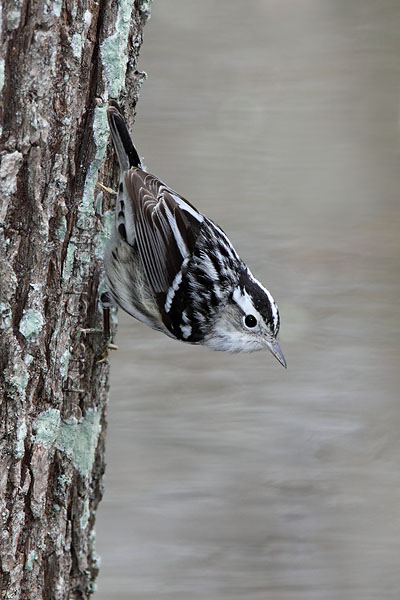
166	227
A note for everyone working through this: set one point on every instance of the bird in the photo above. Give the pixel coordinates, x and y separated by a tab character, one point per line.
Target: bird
172	268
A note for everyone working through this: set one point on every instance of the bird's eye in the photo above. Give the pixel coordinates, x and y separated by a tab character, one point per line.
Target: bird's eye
250	321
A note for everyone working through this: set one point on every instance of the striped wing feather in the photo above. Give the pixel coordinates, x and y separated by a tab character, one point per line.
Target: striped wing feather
165	232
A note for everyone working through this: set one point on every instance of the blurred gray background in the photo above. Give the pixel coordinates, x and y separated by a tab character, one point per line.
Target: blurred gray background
229	478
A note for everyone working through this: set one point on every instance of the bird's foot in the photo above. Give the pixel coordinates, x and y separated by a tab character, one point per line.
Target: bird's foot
105	332
108	345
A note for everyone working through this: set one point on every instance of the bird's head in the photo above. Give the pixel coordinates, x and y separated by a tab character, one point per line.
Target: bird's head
249	320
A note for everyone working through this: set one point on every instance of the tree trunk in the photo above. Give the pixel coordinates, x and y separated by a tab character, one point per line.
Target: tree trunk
61	61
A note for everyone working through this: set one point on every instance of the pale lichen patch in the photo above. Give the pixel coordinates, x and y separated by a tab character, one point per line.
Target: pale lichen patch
19	379
79	439
28	359
114	50
31	324
100	134
77	43
30	559
84	520
84	263
11	163
2	63
87	18
69	260
86	441
66	438
46	427
13	15
104	235
64	363
62	229
57	7
20	441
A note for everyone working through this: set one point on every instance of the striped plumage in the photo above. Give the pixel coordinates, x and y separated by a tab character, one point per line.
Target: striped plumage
175	270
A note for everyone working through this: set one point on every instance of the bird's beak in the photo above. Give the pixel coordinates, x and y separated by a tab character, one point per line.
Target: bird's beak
273	347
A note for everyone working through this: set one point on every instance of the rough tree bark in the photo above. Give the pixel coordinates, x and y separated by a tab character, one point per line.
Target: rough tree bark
61	61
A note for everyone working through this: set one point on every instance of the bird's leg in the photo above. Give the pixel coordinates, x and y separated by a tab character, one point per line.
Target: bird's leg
106	331
108	343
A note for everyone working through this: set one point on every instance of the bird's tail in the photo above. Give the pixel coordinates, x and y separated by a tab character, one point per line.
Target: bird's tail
126	151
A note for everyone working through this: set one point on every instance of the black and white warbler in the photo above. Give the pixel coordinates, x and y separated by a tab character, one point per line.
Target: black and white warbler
175	270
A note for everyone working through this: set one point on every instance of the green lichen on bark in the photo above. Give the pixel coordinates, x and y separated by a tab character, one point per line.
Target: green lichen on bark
77	439
46	427
114	50
86	209
31	324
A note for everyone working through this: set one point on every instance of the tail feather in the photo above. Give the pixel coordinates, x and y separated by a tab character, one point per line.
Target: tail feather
126	151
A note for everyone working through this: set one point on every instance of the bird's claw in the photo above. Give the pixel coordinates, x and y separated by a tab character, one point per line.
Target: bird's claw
78	332
108	344
106	189
107	347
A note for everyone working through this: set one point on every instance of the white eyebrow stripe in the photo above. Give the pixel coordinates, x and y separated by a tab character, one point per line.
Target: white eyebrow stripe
243	300
274	307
